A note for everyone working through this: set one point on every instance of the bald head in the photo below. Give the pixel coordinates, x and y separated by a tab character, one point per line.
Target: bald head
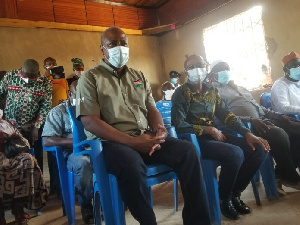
30	66
114	38
30	69
110	32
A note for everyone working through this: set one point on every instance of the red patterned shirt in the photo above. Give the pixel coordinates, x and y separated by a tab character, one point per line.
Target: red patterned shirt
25	102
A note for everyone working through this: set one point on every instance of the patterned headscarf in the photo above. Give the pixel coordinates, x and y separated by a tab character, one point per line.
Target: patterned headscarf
77	62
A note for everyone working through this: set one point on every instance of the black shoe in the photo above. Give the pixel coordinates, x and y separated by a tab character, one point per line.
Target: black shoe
240	206
87	214
229	211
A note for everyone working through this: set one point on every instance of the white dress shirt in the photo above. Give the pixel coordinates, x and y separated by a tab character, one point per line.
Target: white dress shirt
285	96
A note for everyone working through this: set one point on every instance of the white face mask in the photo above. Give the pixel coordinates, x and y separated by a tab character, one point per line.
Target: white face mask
197	75
78	73
118	56
168	94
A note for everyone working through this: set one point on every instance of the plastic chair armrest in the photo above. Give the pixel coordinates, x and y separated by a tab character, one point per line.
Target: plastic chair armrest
52	148
191	138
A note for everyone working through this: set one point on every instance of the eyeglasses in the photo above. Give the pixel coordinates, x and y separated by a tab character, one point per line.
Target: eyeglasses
198	65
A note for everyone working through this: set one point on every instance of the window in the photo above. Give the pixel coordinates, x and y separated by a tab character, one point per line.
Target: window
240	41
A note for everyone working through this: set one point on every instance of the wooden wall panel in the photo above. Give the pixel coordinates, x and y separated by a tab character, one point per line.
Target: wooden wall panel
99	14
126	17
201	3
70	11
41	10
167	13
147	18
184	8
8	9
2	11
141	3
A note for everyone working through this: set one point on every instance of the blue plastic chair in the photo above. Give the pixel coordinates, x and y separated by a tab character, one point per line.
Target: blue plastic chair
266	170
66	183
265	100
209	166
105	184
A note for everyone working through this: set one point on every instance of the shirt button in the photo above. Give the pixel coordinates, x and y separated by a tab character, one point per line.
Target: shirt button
138	121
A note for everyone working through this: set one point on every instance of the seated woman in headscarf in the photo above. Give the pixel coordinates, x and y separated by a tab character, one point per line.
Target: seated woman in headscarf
78	68
21	181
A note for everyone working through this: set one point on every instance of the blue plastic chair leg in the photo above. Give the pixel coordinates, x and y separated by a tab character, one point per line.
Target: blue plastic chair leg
257	176
151	198
255	191
67	187
268	178
210	177
71	193
175	195
97	204
118	205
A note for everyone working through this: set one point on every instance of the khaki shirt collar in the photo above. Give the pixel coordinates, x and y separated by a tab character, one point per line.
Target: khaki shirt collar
111	70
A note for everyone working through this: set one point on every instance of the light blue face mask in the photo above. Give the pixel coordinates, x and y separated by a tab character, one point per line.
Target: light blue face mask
197	75
295	73
224	77
174	80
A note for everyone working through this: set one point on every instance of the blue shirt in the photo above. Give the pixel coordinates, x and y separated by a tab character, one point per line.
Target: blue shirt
58	123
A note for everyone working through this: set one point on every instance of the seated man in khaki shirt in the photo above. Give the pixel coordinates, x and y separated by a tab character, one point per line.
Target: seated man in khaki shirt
115	103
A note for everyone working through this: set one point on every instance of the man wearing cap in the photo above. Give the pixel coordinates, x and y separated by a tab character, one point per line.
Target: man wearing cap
78	68
174	76
266	123
285	94
28	100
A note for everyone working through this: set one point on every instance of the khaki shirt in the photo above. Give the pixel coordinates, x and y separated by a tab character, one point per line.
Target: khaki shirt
121	102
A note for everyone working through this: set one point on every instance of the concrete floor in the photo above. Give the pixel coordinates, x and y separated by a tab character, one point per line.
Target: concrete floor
283	211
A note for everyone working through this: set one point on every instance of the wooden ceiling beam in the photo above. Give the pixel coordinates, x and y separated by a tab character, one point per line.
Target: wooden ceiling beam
4	22
159	29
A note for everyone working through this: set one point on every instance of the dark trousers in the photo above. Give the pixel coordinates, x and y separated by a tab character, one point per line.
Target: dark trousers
279	142
37	146
129	167
238	162
293	130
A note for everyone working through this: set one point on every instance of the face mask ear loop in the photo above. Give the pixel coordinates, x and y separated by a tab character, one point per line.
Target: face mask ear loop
104	54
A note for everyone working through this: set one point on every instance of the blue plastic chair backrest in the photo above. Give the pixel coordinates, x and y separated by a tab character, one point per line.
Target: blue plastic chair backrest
78	129
164	107
265	100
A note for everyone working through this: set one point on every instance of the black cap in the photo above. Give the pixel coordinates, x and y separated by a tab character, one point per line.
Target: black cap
174	74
